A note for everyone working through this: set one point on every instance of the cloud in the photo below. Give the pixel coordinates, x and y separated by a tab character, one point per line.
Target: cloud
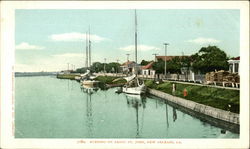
55	62
202	40
69	55
27	46
139	47
74	36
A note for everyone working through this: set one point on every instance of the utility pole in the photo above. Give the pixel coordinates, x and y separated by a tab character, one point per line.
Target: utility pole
104	66
68	67
117	65
155	62
165	72
155	56
127	57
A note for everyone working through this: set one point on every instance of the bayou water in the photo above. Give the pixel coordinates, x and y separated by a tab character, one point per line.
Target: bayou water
47	107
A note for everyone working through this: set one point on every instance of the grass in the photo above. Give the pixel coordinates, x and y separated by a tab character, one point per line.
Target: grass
110	80
67	76
214	97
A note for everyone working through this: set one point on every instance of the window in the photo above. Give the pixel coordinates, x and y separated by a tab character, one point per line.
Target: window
236	67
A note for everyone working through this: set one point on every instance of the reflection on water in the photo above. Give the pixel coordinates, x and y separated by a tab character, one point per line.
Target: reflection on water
89	90
174	114
65	109
167	113
137	101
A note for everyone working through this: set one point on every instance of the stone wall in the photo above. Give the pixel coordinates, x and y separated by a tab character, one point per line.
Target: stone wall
200	108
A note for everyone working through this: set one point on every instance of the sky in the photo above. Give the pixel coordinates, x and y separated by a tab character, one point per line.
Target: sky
49	39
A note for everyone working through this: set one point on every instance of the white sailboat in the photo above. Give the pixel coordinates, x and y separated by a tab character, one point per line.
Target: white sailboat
133	85
82	76
88	78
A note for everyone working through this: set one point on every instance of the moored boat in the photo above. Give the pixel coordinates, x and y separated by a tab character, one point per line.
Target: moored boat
133	85
89	82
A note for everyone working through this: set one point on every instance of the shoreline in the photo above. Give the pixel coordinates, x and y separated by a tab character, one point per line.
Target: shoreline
223	118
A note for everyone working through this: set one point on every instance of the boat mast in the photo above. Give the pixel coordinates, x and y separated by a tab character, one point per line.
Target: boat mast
135	37
135	43
87	51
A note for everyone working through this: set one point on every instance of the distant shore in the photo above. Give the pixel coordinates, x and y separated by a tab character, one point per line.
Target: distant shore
30	74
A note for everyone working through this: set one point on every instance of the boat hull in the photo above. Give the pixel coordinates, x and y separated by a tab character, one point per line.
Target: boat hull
89	82
134	90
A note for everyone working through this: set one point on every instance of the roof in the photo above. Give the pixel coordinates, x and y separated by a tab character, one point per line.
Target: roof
169	57
148	66
127	63
236	58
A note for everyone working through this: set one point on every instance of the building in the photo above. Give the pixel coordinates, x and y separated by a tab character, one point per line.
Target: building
234	64
148	69
128	66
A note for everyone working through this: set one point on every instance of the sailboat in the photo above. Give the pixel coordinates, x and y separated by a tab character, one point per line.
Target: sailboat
134	85
88	78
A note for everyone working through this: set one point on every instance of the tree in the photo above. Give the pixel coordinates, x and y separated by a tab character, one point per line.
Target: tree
144	62
81	70
174	65
159	66
97	67
186	62
112	67
209	59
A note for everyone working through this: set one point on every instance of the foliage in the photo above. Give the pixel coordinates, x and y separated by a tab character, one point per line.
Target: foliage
81	70
109	67
97	67
150	83
159	66
144	62
186	62
209	59
215	97
67	76
173	66
113	67
110	80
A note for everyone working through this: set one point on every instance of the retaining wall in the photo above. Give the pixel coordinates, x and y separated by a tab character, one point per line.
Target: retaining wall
200	108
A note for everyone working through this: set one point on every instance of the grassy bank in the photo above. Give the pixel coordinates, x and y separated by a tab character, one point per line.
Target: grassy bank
67	76
216	97
110	80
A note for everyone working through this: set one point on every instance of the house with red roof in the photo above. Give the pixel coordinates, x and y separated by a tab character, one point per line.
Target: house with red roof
148	69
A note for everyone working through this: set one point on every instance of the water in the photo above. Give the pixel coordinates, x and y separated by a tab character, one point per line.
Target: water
46	107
